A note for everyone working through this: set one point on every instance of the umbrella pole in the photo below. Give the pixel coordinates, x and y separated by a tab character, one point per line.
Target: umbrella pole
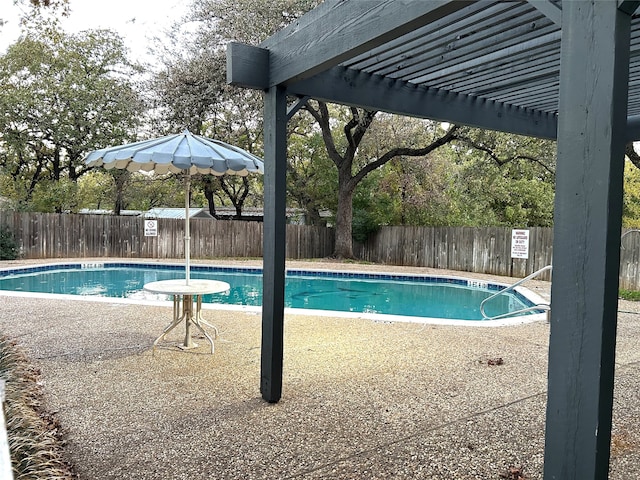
187	233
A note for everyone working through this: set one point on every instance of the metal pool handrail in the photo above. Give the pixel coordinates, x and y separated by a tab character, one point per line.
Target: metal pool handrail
541	306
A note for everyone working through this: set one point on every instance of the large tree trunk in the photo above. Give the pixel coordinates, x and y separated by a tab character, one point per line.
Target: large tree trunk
121	178
344	218
209	195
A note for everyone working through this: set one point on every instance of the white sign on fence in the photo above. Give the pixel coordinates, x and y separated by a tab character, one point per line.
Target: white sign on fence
519	243
150	228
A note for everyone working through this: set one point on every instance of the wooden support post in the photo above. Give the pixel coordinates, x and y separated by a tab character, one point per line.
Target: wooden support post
588	210
274	247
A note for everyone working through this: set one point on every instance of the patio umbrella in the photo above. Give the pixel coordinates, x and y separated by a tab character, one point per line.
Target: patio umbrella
183	152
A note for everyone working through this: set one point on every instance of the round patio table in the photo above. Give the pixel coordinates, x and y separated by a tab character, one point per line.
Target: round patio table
183	298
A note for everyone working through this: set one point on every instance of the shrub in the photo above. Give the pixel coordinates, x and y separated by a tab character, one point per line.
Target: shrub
34	434
8	246
632	295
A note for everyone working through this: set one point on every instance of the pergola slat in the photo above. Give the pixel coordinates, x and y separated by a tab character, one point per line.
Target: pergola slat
446	46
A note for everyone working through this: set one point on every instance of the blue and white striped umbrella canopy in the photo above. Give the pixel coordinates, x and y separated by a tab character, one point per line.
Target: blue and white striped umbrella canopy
183	152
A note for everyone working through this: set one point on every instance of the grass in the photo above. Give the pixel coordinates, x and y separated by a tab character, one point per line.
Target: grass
34	435
632	295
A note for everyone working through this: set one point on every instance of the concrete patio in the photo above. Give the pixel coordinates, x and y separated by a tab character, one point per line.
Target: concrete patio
361	399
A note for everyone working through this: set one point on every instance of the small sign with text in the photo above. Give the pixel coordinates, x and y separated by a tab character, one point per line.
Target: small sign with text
150	228
519	243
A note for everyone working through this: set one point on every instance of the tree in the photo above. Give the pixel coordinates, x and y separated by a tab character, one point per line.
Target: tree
191	92
38	8
412	191
350	172
62	96
311	179
506	179
354	152
102	190
51	4
631	202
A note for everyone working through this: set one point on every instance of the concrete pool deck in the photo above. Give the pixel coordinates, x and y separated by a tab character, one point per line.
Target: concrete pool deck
361	399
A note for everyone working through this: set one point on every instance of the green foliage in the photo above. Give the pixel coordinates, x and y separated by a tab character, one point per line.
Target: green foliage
505	179
312	181
371	210
364	224
417	191
632	295
511	195
246	21
96	190
99	190
55	196
631	199
61	96
8	245
476	181
191	90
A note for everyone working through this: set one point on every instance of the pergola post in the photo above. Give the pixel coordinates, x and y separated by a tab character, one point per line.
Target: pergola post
588	210
274	245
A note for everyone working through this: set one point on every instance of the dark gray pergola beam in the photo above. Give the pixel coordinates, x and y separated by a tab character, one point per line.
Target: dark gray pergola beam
488	27
587	221
297	105
540	90
247	67
513	76
633	129
524	78
336	31
372	92
628	6
341	85
549	9
274	243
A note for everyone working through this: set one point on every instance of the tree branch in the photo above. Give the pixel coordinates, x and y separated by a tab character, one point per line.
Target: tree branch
503	161
450	136
321	116
356	128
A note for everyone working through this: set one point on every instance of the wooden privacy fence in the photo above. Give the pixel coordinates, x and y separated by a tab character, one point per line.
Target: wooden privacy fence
468	249
47	235
482	250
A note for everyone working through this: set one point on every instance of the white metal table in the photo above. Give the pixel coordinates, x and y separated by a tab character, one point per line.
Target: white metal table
183	297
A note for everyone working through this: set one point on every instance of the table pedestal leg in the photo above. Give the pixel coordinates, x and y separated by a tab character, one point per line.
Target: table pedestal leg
177	319
198	321
190	317
187	309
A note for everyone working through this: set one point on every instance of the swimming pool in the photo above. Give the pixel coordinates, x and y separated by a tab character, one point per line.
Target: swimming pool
374	295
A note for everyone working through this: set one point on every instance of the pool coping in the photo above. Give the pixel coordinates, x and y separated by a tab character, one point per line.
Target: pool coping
373	274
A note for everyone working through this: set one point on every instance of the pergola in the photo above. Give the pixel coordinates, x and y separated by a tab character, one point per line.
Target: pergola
565	70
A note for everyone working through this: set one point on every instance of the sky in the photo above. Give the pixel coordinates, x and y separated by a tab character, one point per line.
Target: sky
137	21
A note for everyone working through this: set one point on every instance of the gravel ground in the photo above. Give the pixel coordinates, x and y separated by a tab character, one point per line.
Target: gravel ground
361	399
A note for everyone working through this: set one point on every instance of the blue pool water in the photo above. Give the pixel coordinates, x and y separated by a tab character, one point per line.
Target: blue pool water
417	296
